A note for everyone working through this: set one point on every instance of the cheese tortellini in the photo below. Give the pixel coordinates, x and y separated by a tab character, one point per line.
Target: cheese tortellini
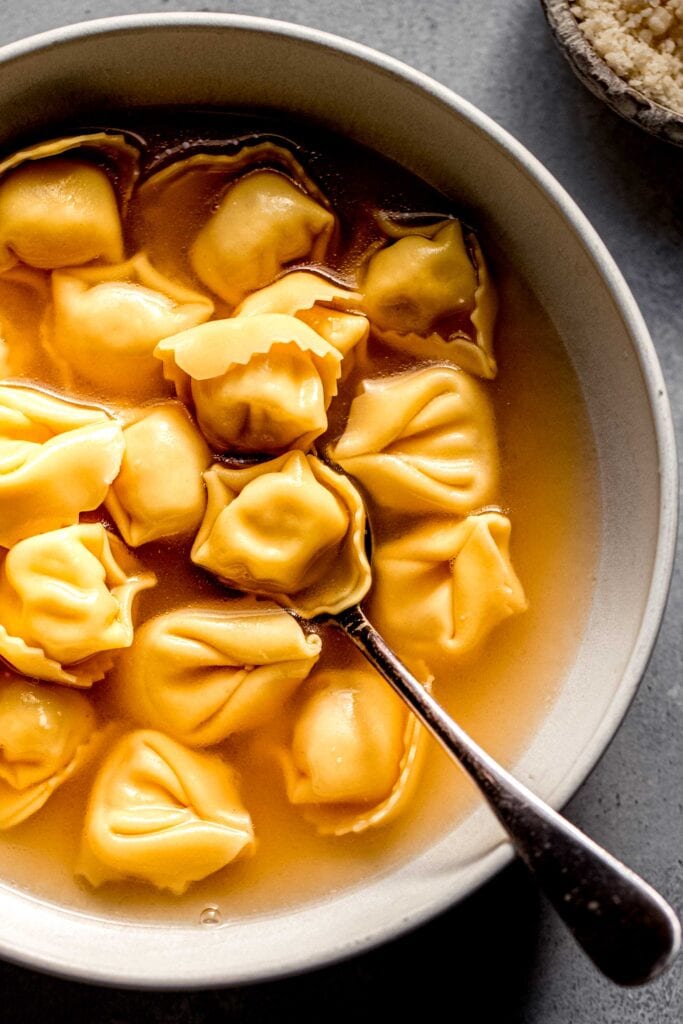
290	528
264	222
205	672
159	491
204	367
182	208
355	754
439	590
258	383
46	737
58	207
65	599
423	441
162	814
107	321
57	459
330	310
418	284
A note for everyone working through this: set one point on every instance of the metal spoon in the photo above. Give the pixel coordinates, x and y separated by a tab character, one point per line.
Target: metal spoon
629	932
626	928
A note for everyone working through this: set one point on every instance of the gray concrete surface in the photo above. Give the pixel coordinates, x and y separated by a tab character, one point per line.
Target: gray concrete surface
507	959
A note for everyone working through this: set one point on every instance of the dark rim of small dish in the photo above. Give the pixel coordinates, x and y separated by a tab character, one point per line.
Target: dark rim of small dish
604	83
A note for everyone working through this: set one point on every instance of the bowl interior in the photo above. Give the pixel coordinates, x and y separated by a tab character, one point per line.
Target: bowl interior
242	62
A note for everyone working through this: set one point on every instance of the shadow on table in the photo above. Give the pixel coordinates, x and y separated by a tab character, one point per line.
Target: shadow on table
476	960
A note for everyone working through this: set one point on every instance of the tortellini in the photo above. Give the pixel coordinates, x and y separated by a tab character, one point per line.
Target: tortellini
46	737
162	814
205	672
290	528
65	600
159	491
416	285
173	204
58	208
57	459
439	590
107	321
258	383
355	754
219	318
263	223
422	441
330	310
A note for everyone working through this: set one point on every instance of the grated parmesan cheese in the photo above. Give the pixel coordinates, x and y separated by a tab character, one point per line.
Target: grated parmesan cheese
641	40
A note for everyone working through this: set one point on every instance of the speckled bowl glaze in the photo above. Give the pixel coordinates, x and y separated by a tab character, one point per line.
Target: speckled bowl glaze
604	83
245	62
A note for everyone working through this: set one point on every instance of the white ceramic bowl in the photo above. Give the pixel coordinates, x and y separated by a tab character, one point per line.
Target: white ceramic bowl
237	61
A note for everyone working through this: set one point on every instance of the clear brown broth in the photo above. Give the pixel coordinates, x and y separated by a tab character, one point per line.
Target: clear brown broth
549	487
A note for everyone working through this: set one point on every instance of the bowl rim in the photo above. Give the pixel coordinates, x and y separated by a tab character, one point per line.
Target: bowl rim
593	70
654	387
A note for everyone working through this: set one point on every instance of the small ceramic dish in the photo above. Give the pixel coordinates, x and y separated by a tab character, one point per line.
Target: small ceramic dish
604	83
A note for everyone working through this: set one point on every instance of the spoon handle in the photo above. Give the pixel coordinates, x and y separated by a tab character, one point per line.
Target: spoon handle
629	932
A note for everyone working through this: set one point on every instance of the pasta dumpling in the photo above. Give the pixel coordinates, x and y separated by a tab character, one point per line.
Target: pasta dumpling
197	185
422	441
46	737
263	222
58	208
64	598
259	383
330	310
159	491
419	285
440	589
355	754
290	528
175	354
108	320
162	814
204	672
57	459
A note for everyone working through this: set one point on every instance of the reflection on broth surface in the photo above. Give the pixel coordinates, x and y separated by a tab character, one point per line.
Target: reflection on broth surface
283	306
